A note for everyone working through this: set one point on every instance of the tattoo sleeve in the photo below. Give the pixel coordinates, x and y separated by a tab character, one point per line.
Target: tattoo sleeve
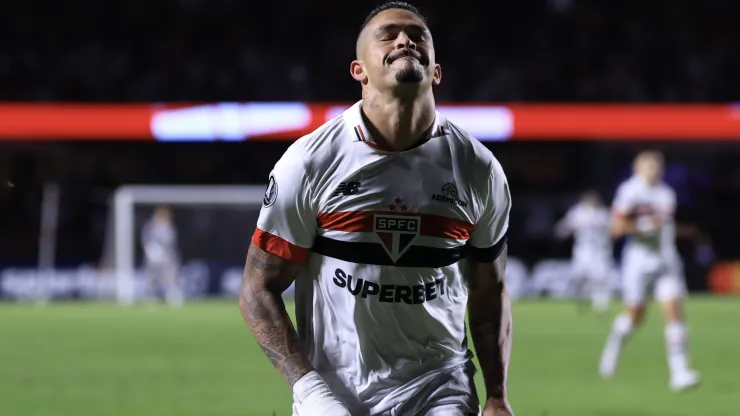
266	276
489	315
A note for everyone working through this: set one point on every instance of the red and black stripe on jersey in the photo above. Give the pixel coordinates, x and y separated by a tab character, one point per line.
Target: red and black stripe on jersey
415	256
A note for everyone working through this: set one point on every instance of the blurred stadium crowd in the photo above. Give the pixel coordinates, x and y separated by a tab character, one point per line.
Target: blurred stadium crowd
542	50
198	50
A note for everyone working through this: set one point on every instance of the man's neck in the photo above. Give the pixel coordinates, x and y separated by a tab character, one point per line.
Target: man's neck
650	182
398	123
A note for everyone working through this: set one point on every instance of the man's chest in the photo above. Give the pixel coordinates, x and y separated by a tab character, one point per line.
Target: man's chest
588	219
401	187
417	215
646	203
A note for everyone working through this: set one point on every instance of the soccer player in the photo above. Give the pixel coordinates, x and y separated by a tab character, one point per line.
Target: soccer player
161	256
588	221
392	222
644	212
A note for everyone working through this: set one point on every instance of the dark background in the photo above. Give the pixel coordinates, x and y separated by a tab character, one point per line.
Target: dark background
230	50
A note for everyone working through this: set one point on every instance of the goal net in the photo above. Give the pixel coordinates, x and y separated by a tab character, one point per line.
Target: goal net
213	224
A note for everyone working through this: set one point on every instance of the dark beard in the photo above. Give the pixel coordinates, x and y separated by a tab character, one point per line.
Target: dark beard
409	76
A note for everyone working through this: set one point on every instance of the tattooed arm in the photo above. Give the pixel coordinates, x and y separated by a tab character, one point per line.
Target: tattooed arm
285	230
489	314
266	277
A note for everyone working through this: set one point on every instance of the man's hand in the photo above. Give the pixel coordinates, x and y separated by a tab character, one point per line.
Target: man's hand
497	407
312	396
649	224
622	225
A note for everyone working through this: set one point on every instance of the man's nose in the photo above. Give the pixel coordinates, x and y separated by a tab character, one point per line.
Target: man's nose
404	41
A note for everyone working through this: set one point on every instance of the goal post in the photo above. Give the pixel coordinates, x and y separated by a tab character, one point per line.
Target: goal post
204	199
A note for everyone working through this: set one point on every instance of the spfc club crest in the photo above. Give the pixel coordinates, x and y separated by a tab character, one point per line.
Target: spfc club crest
396	232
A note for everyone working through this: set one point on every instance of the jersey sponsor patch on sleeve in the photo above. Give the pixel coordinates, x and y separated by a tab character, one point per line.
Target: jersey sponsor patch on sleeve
287	217
271	193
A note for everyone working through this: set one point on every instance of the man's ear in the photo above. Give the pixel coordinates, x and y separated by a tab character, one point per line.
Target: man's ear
357	71
437	75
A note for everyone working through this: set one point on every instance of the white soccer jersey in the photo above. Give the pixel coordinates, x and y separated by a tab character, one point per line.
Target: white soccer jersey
381	300
159	240
590	227
636	199
650	257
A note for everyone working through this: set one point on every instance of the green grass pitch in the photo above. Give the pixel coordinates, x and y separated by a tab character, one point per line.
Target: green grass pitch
101	359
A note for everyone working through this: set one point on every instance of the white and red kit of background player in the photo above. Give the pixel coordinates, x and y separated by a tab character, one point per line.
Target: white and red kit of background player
592	264
592	247
650	257
381	299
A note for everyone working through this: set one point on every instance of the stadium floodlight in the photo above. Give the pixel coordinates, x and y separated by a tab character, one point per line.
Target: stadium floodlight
209	219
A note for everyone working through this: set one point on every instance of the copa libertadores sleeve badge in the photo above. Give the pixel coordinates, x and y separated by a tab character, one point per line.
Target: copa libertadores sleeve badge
270	193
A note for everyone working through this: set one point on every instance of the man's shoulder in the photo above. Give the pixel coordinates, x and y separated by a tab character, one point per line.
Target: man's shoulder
470	150
578	209
631	184
320	141
666	188
318	146
462	137
581	211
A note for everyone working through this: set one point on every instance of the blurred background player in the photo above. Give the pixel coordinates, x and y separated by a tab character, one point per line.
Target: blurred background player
643	211
161	257
588	222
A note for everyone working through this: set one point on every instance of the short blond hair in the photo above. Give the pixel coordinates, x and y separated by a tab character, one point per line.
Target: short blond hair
648	155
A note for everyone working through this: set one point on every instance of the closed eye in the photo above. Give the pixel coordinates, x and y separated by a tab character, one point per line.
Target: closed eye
391	31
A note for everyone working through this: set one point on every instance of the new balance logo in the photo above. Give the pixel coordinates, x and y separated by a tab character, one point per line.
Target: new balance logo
347	189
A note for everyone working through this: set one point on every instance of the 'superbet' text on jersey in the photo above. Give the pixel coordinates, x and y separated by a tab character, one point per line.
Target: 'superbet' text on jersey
381	299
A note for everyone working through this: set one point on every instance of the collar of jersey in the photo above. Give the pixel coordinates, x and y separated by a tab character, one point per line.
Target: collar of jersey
353	117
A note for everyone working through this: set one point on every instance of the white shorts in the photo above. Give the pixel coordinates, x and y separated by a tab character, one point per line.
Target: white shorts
644	271
448	394
595	268
161	272
451	393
